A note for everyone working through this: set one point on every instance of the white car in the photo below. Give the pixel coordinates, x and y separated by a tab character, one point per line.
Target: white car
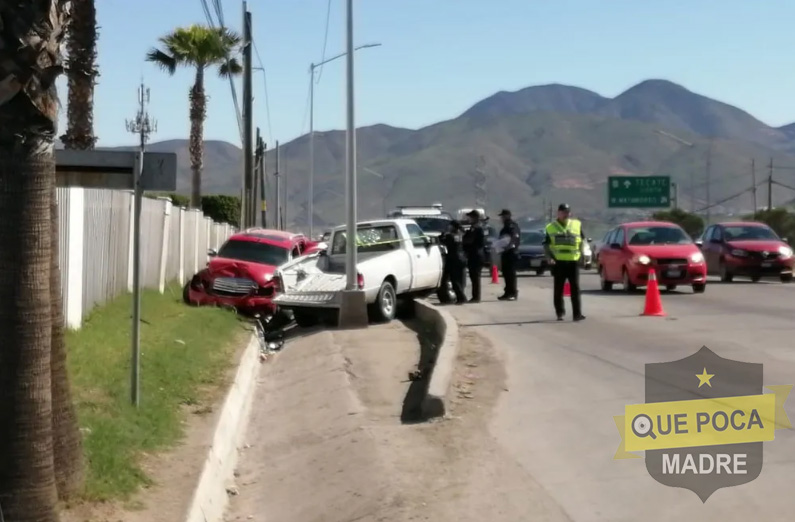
586	258
395	260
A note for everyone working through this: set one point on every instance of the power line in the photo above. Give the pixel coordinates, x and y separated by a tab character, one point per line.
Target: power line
265	83
325	42
219	11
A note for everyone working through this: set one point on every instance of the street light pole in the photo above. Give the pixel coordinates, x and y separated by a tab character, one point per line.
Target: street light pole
350	163
312	67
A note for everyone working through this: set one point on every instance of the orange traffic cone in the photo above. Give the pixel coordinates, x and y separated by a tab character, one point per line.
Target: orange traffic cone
495	276
653	306
566	289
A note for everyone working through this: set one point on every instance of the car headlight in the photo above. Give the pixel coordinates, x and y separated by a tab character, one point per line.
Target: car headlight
268	278
739	253
643	260
697	257
785	251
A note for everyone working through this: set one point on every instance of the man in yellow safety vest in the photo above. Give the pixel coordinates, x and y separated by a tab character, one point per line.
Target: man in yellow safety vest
563	244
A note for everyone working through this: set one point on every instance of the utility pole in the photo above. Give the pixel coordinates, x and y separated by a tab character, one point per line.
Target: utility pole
753	181
263	201
277	175
143	127
285	204
708	174
350	159
310	204
770	186
248	118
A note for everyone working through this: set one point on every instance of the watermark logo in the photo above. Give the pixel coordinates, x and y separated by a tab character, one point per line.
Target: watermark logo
703	423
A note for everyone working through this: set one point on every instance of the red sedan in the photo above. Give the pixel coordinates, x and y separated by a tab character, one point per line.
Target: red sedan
746	249
240	274
631	249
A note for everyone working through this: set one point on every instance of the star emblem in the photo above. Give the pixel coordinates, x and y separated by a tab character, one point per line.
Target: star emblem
704	378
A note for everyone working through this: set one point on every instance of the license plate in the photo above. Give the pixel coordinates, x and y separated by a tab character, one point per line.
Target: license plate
673	273
767	265
535	262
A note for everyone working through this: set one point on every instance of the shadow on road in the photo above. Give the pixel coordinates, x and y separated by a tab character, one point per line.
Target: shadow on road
635	293
510	323
412	402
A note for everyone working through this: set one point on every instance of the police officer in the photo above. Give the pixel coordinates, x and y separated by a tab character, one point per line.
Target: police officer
510	234
474	244
563	243
453	270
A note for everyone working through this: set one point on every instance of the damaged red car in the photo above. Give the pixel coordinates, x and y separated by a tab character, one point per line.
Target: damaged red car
240	274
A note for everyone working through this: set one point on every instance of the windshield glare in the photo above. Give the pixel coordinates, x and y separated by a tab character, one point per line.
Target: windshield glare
370	239
532	238
254	252
658	236
432	224
748	233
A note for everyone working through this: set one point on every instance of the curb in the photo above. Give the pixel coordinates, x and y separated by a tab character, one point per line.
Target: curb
446	330
210	497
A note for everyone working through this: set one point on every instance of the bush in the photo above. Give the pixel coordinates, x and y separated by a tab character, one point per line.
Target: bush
223	209
779	219
691	223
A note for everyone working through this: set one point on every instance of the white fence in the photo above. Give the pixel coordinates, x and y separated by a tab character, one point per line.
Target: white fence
96	246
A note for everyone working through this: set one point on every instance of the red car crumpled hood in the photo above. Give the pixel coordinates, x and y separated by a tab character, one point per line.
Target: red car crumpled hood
757	245
663	251
221	267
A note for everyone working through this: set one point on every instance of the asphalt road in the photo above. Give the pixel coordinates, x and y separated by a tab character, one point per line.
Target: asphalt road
567	380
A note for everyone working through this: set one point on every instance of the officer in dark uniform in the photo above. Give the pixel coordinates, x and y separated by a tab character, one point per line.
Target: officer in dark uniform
563	246
510	232
474	244
454	262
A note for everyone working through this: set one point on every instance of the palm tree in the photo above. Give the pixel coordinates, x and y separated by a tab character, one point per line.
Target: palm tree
30	53
198	47
81	47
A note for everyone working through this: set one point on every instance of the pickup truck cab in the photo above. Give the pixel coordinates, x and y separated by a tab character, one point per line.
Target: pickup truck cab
395	260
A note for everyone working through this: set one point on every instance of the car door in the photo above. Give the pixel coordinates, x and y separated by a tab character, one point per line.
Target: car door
602	252
423	263
708	249
616	248
715	248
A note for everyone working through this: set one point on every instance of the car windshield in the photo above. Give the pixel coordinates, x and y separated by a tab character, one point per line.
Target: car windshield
748	233
433	224
254	252
369	239
532	238
657	236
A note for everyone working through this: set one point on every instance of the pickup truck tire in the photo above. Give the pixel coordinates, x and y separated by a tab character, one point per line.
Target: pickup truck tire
385	307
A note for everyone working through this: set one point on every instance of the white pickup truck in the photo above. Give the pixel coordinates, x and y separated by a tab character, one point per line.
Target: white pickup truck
395	260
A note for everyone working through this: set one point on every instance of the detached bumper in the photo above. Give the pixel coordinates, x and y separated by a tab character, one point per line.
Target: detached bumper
670	275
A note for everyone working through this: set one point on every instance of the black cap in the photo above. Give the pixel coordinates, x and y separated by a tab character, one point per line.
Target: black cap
504	212
563	207
473	213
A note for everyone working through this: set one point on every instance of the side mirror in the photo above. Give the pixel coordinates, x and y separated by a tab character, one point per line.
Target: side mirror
784	239
590	240
212	252
616	246
699	243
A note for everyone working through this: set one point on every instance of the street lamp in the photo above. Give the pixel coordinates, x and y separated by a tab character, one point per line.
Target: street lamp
692	176
312	67
383	180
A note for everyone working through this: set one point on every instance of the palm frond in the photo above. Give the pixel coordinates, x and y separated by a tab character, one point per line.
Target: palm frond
165	61
230	68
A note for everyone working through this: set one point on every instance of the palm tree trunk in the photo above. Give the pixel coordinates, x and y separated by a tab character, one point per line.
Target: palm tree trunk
198	112
27	476
67	440
81	48
29	64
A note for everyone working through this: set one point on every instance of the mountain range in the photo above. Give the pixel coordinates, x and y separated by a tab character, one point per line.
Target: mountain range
528	149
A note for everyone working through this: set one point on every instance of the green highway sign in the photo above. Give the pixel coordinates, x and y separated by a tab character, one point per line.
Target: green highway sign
638	192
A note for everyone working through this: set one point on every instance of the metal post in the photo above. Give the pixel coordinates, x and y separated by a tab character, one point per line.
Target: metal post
350	161
770	186
753	181
263	201
248	146
276	175
311	202
255	181
708	175
143	127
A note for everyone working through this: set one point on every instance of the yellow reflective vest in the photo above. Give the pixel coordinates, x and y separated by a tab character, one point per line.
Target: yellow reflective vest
565	242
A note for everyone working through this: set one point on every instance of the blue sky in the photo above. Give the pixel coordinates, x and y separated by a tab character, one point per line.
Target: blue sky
438	57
